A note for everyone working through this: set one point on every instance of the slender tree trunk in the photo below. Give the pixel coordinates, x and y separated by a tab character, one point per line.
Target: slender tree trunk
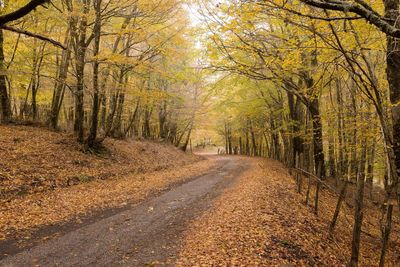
114	104
81	48
185	145
117	127
297	140
341	161
59	87
342	197
226	138
358	215
146	125
386	235
230	139
370	168
319	157
96	103
37	64
331	156
162	118
34	77
5	102
247	143
133	120
317	189
253	140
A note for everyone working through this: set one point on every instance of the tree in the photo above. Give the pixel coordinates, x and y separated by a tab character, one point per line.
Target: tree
4	97
388	24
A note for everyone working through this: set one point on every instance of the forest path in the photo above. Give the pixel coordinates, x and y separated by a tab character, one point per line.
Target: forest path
147	233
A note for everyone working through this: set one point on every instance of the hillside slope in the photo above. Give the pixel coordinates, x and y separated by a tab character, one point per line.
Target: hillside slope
35	159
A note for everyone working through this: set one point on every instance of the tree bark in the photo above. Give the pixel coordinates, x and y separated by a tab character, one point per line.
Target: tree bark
358	215
386	235
5	102
59	87
96	101
393	77
81	47
319	157
294	110
342	197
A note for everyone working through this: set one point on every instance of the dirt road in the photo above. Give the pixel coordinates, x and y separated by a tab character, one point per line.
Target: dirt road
149	232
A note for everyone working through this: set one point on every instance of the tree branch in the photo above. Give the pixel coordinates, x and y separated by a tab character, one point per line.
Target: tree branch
360	8
23	11
34	35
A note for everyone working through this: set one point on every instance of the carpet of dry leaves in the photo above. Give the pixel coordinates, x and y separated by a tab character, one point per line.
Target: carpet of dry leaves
263	221
46	179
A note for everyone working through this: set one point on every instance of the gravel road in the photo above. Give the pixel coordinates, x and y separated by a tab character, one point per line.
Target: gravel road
146	234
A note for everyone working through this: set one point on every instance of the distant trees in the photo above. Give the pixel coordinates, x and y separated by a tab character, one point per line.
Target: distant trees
122	70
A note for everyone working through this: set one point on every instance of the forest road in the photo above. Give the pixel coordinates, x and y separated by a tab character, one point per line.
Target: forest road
147	233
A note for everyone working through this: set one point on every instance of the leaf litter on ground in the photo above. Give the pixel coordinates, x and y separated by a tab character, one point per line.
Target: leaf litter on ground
127	173
263	221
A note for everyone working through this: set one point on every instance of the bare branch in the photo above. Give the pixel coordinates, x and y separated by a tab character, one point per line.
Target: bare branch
23	11
34	35
360	8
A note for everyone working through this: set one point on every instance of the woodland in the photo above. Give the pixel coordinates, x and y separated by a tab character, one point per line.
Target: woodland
314	84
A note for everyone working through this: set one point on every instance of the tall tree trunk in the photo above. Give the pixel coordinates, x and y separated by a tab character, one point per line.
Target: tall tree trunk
386	234
185	145
117	126
341	159
253	141
358	215
146	125
294	112
96	103
370	168
59	87
342	197
247	143
226	138
81	48
5	102
34	90
162	116
319	157
393	77
35	82
113	104
133	120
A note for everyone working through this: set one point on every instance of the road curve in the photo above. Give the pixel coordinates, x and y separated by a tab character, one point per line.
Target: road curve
146	233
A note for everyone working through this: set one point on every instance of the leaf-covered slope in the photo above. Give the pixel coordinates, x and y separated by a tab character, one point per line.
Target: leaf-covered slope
35	159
